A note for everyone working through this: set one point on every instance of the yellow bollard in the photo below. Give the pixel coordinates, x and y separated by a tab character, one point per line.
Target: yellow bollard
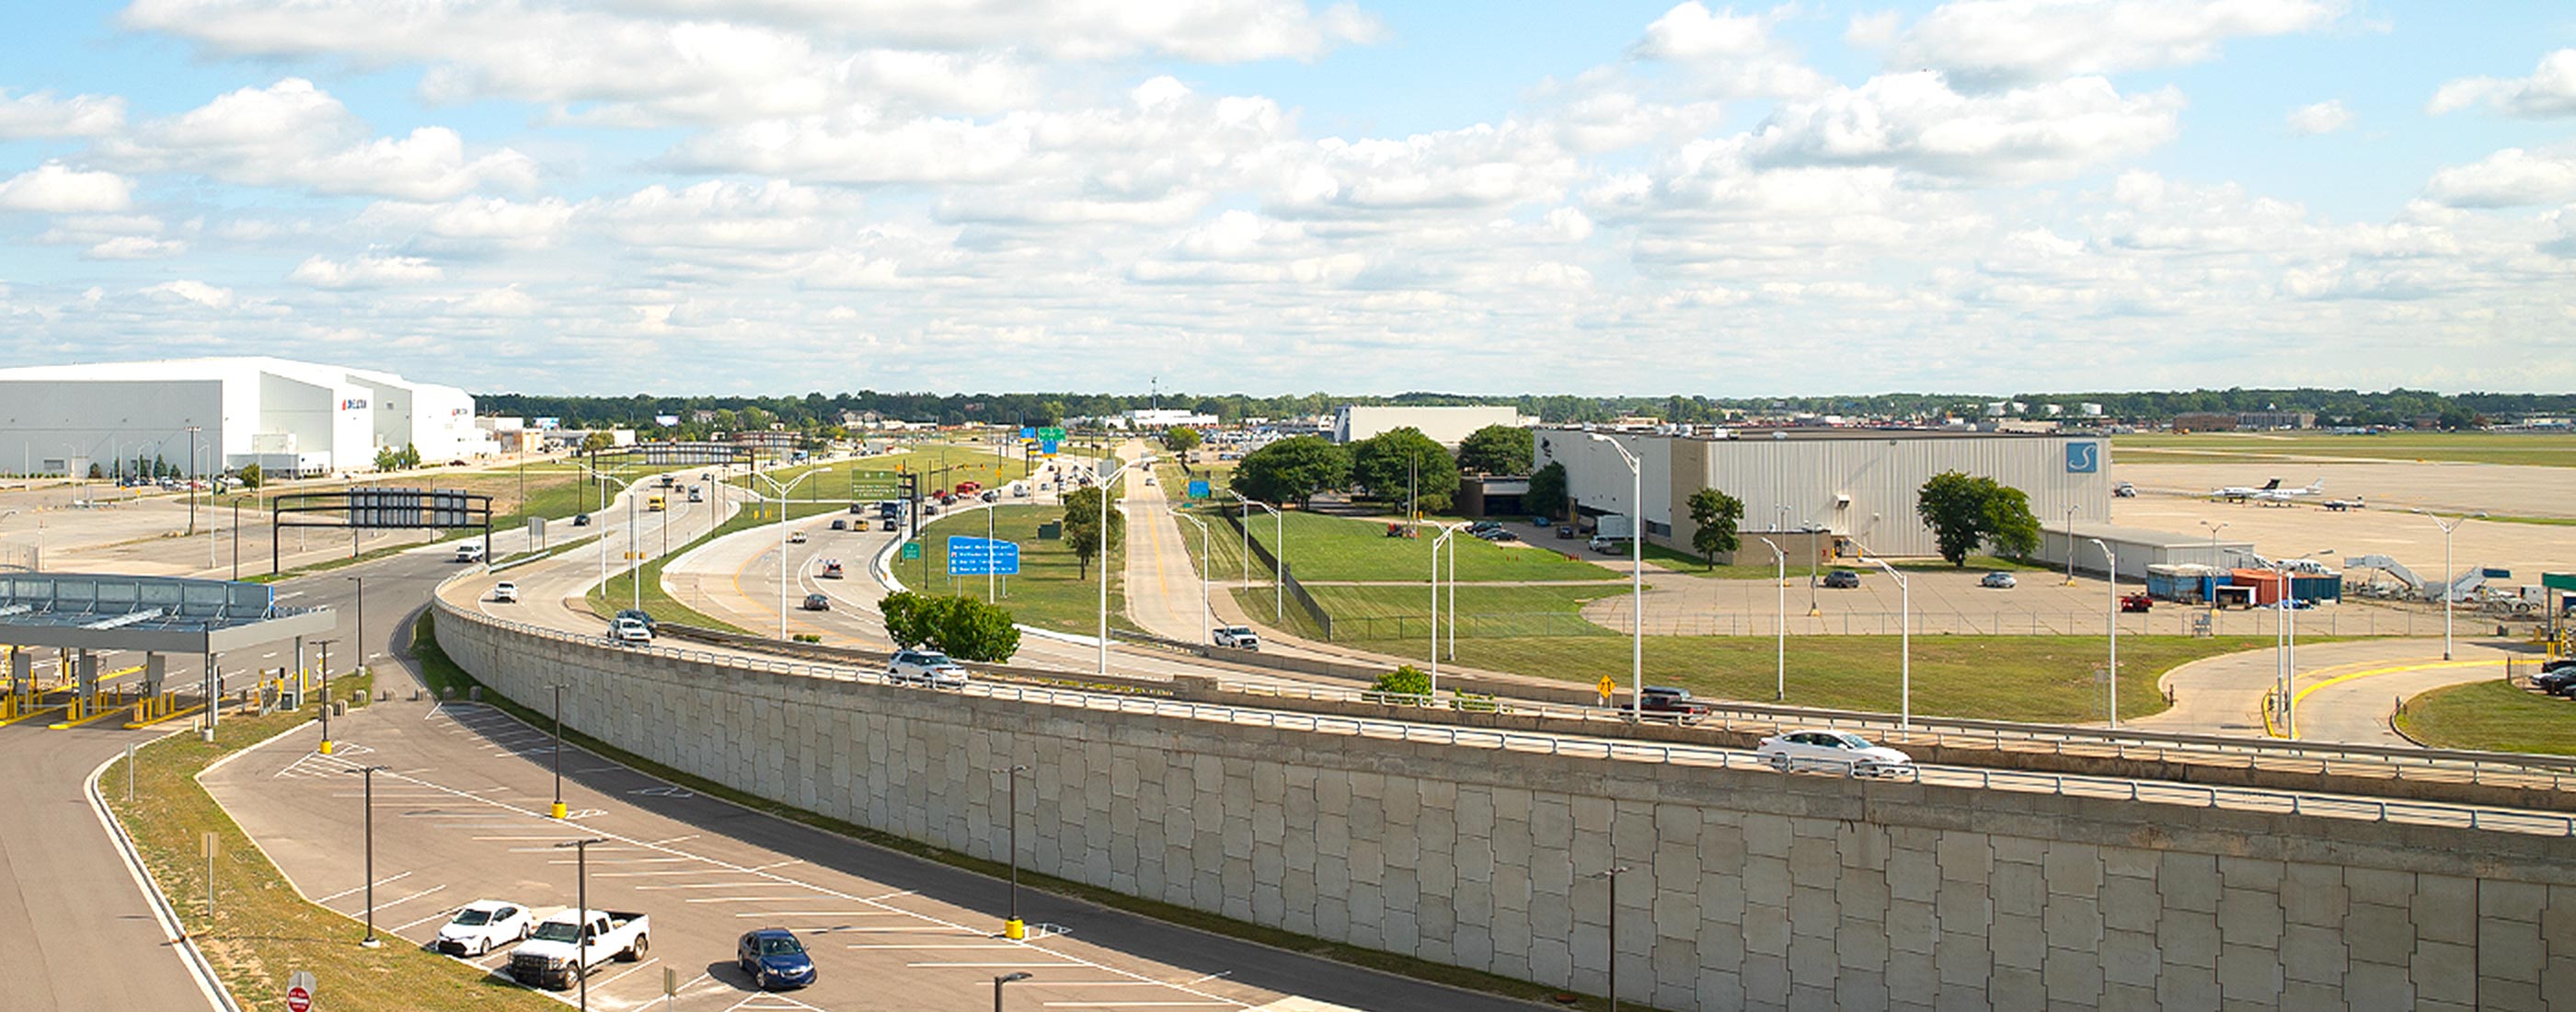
1014	930
560	811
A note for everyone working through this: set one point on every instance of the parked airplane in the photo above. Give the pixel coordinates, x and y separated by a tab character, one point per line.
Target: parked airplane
2316	487
2240	493
2340	505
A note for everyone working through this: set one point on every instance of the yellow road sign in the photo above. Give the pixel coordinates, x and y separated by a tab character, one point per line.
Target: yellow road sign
1607	686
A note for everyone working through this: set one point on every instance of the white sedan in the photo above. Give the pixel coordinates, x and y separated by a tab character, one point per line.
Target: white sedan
484	925
1839	751
505	592
927	668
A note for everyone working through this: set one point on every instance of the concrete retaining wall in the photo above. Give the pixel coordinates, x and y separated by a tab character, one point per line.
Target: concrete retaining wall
1745	889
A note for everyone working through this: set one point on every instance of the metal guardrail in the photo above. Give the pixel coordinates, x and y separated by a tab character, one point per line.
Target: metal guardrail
2152	792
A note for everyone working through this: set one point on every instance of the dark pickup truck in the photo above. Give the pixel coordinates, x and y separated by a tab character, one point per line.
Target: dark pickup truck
1670	702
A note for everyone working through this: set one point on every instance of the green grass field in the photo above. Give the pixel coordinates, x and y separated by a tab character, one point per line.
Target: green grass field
1047	594
1367	615
1325	548
2533	448
831	482
2027	678
259	929
2492	716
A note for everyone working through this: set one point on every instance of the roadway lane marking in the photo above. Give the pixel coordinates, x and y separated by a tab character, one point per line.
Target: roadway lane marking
2339	679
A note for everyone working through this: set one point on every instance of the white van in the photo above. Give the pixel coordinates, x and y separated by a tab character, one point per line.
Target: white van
470	551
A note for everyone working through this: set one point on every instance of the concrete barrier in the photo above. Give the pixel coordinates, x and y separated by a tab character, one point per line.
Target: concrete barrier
1745	889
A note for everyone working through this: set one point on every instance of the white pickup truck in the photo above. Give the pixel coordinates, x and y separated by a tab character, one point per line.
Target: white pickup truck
553	958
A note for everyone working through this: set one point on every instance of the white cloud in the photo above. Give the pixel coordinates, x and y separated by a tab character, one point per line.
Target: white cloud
55	189
774	215
2549	91
1729	54
186	290
1988	43
1212	31
472	222
41	115
2322	118
2512	177
292	133
135	247
1480	167
364	271
1915	121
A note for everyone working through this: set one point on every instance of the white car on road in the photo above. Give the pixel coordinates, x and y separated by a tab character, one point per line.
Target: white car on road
627	630
1835	751
1238	636
927	668
484	925
505	592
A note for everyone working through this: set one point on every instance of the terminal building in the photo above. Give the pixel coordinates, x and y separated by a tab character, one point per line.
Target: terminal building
1852	490
288	417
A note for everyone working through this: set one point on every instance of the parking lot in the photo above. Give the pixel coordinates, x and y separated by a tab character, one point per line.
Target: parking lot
461	801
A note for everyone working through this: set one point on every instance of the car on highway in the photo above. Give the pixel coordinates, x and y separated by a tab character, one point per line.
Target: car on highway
651	624
581	519
471	551
482	926
505	592
890	523
817	602
569	944
1844	579
796	537
1666	701
840	525
831	569
2001	581
926	668
1240	637
1839	751
2125	490
991	495
773	959
627	630
1565	533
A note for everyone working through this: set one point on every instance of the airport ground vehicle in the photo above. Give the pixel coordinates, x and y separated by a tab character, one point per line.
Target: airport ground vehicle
2136	602
482	926
773	958
1240	637
557	953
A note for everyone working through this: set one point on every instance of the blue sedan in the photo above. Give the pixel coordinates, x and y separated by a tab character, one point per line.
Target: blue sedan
774	959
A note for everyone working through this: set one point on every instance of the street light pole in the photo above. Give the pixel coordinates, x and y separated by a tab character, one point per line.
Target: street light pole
1014	929
326	697
358	638
2111	613
2213	561
558	810
2070	546
2449	593
1780	663
1206	620
1636	577
1106	482
1445	534
1278	553
581	904
1904	643
1612	876
369	776
1006	979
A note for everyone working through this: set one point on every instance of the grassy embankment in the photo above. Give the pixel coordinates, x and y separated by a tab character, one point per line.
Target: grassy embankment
619	591
261	930
1049	593
2492	716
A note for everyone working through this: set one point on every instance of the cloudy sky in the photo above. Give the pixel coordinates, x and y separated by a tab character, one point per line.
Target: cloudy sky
718	196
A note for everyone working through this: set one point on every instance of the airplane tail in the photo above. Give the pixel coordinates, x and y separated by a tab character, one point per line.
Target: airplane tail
2272	485
2315	487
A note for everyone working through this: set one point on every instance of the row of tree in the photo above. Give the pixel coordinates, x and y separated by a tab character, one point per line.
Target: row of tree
1964	511
1397	466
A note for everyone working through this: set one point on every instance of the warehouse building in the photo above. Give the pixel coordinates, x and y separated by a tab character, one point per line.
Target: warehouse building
1857	485
287	417
1446	426
2135	548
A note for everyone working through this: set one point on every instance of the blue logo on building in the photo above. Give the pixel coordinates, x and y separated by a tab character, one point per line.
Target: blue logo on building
2083	458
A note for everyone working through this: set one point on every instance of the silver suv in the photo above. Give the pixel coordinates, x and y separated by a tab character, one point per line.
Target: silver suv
927	668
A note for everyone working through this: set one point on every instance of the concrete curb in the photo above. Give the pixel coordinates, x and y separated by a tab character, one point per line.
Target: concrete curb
186	947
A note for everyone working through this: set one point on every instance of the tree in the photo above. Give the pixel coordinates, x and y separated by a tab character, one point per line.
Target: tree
909	617
957	625
1497	449
387	459
1397	461
1292	470
1405	680
251	476
1965	512
1547	495
1181	440
596	441
1082	531
1715	515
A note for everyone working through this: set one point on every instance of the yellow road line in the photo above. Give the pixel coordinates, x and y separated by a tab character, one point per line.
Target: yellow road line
2338	679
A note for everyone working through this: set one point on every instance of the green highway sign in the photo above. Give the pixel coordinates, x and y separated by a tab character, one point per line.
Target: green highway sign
1051	433
911	550
875	485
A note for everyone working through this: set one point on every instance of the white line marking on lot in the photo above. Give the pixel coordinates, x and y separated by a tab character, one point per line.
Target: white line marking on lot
742	899
720	885
826	913
630	971
675	839
934	966
1139	1004
411	897
777	864
989	945
925	931
432	917
389	878
1213	976
888	896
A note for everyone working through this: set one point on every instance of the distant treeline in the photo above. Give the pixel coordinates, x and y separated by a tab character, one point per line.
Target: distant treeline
817	411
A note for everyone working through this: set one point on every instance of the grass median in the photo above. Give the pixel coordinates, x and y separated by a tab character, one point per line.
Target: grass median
261	930
1048	593
1330	548
2491	716
620	590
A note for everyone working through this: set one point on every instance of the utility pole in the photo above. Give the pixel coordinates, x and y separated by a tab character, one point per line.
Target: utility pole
192	478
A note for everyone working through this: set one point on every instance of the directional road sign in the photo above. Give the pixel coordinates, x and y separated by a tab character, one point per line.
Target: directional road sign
1607	687
911	550
1047	446
982	556
1051	434
1028	432
299	992
1199	489
875	486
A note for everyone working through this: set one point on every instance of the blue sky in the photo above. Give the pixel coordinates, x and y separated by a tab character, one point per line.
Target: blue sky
1270	195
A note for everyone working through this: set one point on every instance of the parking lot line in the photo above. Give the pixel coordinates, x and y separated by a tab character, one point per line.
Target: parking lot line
988	945
1140	1004
984	966
399	876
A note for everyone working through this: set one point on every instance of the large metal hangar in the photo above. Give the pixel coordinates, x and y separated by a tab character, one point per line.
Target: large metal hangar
1858	485
208	415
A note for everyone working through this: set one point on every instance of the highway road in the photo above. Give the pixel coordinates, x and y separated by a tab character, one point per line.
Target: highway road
2346	690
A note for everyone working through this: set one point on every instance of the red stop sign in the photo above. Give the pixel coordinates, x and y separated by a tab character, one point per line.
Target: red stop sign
299	1000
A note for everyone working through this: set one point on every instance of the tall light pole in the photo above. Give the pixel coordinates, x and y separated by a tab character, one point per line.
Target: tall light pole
1278	553
2111	612
2070	546
326	696
558	810
1636	576
782	492
1014	929
2213	561
2449	592
1011	978
369	775
581	904
1106	482
358	636
1445	534
1780	664
1611	875
1904	643
1206	622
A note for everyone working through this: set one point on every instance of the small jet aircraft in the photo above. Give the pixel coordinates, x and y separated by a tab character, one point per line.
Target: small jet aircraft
2240	493
2283	495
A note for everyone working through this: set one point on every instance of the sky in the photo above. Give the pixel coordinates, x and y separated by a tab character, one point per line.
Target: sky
1274	196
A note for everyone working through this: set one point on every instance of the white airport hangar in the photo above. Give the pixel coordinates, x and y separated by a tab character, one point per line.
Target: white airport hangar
1858	485
288	417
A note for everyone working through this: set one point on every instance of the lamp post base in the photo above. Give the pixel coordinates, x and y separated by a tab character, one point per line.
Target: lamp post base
372	943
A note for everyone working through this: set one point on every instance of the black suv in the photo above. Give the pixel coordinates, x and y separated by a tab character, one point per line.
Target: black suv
1671	702
1843	578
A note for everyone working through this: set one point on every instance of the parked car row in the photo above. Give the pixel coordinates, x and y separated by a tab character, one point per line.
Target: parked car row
558	951
2557	678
